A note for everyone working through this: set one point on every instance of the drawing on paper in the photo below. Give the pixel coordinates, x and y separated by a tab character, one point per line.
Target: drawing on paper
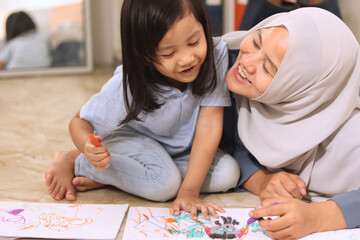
57	220
48	220
12	216
227	229
158	223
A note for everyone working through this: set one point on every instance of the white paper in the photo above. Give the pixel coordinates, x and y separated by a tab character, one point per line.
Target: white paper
346	234
62	221
158	223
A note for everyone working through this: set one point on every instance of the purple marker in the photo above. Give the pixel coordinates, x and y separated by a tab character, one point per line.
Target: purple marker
251	220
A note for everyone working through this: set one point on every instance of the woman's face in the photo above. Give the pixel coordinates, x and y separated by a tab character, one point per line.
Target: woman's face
259	58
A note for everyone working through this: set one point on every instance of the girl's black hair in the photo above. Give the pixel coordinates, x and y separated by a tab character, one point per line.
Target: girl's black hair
143	24
18	23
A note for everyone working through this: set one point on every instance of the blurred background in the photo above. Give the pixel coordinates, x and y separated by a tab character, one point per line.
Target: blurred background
86	33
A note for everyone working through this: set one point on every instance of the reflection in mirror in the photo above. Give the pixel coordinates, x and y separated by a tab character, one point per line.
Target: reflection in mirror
44	37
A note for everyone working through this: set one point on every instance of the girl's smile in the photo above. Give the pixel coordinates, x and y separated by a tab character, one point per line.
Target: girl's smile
182	50
189	71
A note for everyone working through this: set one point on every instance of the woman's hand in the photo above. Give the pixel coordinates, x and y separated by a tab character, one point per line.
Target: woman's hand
99	157
191	203
298	218
282	184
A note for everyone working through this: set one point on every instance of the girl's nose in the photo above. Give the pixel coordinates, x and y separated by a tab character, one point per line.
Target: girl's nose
186	59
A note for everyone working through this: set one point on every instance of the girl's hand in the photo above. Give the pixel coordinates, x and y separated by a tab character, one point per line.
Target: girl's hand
99	157
191	203
282	184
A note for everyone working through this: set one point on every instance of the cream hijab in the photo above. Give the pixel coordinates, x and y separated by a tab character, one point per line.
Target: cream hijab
308	120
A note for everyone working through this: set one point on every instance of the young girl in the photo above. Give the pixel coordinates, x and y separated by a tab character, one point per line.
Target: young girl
159	118
299	77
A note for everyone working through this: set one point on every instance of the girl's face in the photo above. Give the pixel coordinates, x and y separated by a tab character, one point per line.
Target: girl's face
260	56
182	51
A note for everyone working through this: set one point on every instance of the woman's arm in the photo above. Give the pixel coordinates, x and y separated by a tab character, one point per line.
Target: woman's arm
206	141
79	129
254	177
298	218
349	203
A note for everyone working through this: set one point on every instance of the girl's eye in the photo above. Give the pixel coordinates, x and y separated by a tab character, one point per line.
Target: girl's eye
168	55
194	44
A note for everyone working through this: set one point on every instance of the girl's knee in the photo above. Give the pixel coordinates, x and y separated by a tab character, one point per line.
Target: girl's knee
224	176
234	173
165	190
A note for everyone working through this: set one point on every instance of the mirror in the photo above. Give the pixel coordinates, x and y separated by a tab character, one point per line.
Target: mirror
60	42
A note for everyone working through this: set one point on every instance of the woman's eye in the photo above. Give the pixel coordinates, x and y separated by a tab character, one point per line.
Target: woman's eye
272	73
266	69
255	44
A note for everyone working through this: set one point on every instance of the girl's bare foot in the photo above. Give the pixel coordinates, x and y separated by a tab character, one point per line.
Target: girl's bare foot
83	184
60	174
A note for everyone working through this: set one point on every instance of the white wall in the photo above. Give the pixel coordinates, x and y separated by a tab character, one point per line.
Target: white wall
105	21
350	13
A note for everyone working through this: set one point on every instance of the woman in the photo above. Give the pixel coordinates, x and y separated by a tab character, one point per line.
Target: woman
298	75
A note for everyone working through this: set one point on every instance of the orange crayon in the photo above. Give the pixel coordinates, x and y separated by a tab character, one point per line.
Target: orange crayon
94	140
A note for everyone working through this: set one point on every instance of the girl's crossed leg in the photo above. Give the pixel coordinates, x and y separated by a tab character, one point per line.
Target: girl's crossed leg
139	165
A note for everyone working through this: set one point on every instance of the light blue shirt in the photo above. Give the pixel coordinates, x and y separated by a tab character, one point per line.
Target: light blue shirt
29	50
174	123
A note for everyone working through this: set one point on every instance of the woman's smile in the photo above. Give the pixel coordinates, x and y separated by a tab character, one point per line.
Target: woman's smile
240	75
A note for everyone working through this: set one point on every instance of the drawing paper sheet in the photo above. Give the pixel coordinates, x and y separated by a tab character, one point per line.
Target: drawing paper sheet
145	223
159	223
64	221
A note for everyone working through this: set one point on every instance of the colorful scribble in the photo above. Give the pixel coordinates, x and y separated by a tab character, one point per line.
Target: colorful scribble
58	220
167	226
241	234
12	216
147	225
227	229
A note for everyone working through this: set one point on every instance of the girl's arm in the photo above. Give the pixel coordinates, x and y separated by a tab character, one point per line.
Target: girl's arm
79	129
207	138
